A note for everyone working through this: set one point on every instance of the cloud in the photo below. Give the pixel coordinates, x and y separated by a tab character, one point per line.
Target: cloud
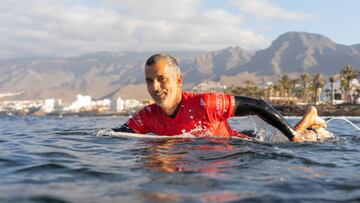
156	9
62	28
264	10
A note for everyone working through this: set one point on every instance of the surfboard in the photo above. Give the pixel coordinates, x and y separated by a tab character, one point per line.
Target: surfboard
136	135
152	136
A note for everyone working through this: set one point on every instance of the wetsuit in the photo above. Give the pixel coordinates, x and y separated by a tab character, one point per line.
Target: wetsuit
204	114
250	106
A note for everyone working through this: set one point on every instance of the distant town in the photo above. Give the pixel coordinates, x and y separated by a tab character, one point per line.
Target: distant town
83	105
302	90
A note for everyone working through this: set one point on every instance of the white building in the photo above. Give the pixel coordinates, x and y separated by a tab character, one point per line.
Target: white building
326	92
131	104
23	105
81	103
354	86
51	105
338	92
101	103
118	105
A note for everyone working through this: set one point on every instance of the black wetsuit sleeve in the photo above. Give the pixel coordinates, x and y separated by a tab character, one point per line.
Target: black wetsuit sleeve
245	106
123	128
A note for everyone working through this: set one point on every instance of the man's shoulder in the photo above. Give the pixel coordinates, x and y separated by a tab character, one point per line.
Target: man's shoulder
192	95
204	99
203	95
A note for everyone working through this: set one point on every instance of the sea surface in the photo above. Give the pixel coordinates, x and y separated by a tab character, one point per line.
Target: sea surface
54	159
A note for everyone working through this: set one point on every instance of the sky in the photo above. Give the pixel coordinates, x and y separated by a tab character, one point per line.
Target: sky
64	28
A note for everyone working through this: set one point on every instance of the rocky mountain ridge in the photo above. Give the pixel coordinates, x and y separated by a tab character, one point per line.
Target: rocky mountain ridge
112	74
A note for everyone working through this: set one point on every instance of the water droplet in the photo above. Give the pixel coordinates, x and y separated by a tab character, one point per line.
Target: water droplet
192	117
189	110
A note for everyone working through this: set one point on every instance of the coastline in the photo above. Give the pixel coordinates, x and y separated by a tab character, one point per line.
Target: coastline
284	109
323	110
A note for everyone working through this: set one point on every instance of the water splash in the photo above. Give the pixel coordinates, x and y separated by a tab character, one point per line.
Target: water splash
198	131
264	132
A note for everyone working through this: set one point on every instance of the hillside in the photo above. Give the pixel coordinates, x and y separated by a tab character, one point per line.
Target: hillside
113	74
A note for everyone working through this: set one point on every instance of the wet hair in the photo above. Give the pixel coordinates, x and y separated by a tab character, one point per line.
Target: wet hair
170	60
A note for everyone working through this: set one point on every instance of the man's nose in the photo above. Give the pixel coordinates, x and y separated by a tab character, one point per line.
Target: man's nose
156	85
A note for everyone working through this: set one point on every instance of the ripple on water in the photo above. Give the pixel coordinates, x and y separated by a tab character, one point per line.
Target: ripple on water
41	168
62	160
58	156
47	198
50	172
7	162
77	132
36	199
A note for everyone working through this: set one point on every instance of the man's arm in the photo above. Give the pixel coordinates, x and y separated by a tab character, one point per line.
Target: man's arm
124	128
245	106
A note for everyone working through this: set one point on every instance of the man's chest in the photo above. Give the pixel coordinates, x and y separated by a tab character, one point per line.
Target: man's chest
188	120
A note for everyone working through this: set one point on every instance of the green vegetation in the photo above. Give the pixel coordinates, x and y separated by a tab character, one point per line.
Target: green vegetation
346	75
305	88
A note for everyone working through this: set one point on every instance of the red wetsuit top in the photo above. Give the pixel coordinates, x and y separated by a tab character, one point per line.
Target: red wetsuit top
198	114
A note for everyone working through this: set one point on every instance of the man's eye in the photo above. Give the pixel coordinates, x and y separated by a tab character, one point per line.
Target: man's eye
162	79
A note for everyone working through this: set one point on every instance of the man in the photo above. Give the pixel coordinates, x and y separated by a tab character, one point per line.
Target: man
177	112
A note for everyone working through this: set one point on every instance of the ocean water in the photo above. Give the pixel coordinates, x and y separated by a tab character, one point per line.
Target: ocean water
52	159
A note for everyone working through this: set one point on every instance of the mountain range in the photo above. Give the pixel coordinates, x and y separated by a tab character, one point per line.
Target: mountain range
113	74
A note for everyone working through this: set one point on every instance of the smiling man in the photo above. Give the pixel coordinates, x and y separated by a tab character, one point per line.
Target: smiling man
164	83
177	112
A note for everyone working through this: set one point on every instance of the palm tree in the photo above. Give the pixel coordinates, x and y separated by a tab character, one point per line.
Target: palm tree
318	82
248	87
328	93
332	80
285	82
277	88
252	90
268	90
294	84
305	80
346	75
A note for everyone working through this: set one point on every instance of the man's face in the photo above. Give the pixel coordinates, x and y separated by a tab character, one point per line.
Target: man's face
163	85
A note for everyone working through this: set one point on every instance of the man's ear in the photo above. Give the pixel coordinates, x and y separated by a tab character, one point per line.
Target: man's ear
179	79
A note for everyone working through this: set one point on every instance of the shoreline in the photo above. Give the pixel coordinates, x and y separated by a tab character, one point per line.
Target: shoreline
352	110
323	110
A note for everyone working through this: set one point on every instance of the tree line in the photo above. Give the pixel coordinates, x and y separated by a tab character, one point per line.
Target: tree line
305	88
